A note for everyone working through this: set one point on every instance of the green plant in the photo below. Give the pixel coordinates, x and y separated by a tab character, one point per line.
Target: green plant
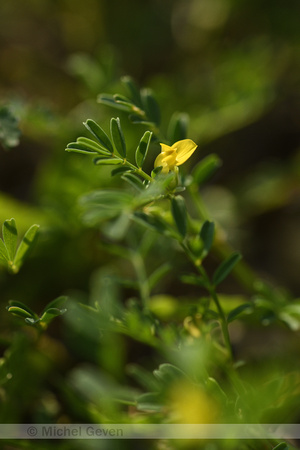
12	256
160	287
168	203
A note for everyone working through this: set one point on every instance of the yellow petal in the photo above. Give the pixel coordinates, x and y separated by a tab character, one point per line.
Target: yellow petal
171	159
185	149
165	169
166	148
159	160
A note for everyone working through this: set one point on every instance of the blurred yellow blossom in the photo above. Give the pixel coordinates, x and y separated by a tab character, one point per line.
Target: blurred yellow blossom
173	156
190	404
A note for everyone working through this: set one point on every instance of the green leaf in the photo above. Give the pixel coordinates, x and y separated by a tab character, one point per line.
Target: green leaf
99	134
290	320
134	118
156	171
213	387
206	168
57	303
50	314
196	280
290	314
117	136
179	213
281	446
90	144
167	373
122	100
109	198
26	245
133	89
103	160
151	106
158	274
143	377
104	204
76	147
4	257
16	311
149	402
134	181
15	303
10	237
156	189
31	321
245	307
150	221
178	127
109	100
207	236
142	149
179	189
9	130
117	229
121	170
225	268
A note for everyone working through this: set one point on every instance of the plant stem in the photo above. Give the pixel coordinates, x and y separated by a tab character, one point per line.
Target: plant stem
201	208
223	321
243	273
139	266
139	170
212	292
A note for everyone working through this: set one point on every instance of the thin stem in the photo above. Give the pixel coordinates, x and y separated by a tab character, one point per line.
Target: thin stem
139	266
223	321
201	208
211	290
243	273
138	169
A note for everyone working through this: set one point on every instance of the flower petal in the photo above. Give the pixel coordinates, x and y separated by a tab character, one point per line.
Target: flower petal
166	169
166	148
185	149
159	160
170	160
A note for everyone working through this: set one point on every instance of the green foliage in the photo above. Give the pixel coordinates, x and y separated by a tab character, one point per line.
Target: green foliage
52	310
10	256
142	149
281	446
118	137
246	308
207	236
152	201
99	134
205	169
141	104
179	213
152	257
178	127
225	268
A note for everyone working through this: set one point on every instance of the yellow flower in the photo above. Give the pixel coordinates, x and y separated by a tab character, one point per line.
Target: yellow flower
191	404
173	156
